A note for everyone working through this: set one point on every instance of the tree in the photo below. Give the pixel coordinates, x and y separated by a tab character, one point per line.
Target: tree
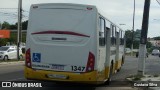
5	25
157	38
136	41
128	35
136	44
14	26
148	45
3	41
24	25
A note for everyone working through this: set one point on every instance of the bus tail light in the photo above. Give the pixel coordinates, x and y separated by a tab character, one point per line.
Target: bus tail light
28	58
91	62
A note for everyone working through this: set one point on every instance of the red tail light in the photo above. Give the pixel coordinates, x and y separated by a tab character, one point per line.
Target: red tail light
28	58
91	62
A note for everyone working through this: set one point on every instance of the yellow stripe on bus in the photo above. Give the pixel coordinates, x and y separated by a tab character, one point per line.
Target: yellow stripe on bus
89	77
118	64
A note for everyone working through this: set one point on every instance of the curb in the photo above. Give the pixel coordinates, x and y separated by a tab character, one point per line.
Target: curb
147	78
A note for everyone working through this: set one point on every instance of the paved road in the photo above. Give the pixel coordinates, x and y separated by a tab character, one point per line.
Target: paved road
14	72
11	71
131	66
153	65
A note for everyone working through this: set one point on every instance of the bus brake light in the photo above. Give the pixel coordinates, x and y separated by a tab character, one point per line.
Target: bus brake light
91	62
28	58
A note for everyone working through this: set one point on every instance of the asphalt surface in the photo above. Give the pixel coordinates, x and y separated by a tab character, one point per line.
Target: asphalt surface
11	71
152	67
14	72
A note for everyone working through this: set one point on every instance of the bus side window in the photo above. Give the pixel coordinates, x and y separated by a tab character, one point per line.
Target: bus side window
102	32
107	30
115	29
121	38
120	35
112	35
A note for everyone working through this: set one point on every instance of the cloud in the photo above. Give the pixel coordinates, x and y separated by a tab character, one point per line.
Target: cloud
118	11
8	4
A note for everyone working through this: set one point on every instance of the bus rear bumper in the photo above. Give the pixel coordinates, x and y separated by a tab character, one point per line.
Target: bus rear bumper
89	77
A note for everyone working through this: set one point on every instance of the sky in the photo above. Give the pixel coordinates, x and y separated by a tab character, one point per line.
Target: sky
118	11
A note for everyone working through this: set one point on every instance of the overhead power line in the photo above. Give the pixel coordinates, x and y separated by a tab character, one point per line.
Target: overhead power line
158	2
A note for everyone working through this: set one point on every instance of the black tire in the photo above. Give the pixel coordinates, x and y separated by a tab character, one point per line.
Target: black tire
119	69
5	57
122	61
108	81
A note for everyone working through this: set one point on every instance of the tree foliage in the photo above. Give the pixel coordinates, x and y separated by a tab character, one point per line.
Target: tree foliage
13	35
157	38
128	35
6	25
24	25
136	43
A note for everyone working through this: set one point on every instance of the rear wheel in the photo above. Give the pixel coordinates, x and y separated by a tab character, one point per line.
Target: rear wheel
5	57
122	61
119	69
108	81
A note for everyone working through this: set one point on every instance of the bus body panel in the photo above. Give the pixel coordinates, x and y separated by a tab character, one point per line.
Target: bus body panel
61	36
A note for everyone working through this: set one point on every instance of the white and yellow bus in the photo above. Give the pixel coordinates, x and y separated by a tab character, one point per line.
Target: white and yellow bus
72	42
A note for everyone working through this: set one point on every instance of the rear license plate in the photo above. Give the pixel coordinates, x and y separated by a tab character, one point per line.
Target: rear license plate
59	76
57	67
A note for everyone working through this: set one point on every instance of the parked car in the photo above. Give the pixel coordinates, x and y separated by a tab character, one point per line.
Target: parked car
155	52
127	50
9	52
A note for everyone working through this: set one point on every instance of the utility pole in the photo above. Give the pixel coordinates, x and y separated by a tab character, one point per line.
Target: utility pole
19	27
133	30
143	39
